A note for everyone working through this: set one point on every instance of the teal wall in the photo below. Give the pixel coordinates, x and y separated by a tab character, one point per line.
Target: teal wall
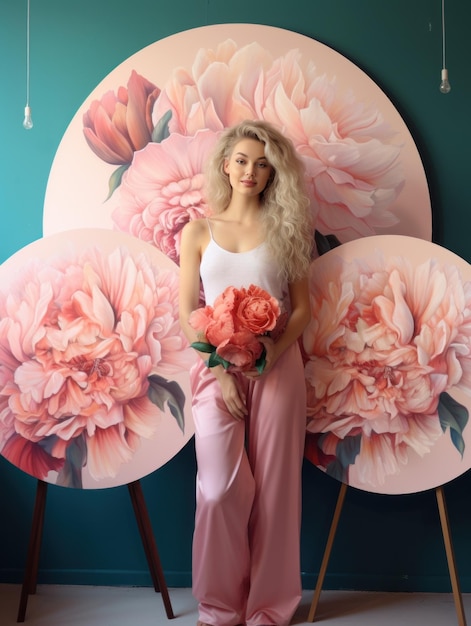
383	542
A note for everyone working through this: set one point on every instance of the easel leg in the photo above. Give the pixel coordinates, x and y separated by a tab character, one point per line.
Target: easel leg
34	548
328	550
455	585
150	547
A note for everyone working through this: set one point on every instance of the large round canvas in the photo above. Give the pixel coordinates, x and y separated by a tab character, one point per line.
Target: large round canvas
133	155
388	364
94	365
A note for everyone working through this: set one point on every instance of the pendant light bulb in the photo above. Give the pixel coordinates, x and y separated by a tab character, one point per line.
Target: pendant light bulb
445	86
28	121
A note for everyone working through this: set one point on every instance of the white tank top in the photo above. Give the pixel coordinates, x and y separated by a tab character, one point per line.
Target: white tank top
220	268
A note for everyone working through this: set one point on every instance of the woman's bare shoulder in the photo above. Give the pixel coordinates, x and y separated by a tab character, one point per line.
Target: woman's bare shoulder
196	227
195	234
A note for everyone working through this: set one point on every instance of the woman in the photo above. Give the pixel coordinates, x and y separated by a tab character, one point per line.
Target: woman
249	426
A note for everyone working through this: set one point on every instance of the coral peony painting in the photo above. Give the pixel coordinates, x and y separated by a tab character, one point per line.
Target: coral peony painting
144	134
93	374
388	364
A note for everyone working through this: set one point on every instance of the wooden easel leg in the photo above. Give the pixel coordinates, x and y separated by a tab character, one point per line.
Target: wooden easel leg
150	547
328	550
455	584
34	548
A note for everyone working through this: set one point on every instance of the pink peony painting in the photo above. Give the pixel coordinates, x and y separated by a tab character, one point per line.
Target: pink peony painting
144	134
388	364
94	362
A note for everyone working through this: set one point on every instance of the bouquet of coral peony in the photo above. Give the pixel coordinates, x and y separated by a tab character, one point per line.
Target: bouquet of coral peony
231	327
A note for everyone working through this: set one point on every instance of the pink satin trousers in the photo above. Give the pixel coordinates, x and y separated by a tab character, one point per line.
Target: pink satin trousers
246	552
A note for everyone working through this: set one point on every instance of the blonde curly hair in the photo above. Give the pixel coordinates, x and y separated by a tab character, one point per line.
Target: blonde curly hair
289	232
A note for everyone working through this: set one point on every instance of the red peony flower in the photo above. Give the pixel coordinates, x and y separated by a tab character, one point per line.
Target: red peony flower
242	350
258	311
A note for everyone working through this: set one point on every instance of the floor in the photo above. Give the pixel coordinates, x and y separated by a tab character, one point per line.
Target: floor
61	605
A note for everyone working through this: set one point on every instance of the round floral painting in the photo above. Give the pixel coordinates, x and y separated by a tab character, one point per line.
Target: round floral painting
133	155
94	367
388	364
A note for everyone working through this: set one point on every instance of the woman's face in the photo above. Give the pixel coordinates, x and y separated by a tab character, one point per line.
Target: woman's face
248	168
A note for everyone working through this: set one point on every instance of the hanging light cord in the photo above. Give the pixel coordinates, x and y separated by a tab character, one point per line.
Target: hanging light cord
27	122
27	54
445	86
443	35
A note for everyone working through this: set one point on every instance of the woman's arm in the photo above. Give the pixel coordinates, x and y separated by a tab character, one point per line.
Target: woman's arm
191	246
194	239
297	322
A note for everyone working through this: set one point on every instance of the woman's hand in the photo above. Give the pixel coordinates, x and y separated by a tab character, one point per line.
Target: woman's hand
232	393
271	357
298	320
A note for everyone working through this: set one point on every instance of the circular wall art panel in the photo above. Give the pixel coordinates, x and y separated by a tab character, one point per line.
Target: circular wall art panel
388	364
94	365
133	155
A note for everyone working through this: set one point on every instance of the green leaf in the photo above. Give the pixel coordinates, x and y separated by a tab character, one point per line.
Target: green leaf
261	361
336	470
215	360
161	130
115	179
348	449
76	458
325	243
201	346
346	452
455	416
163	391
